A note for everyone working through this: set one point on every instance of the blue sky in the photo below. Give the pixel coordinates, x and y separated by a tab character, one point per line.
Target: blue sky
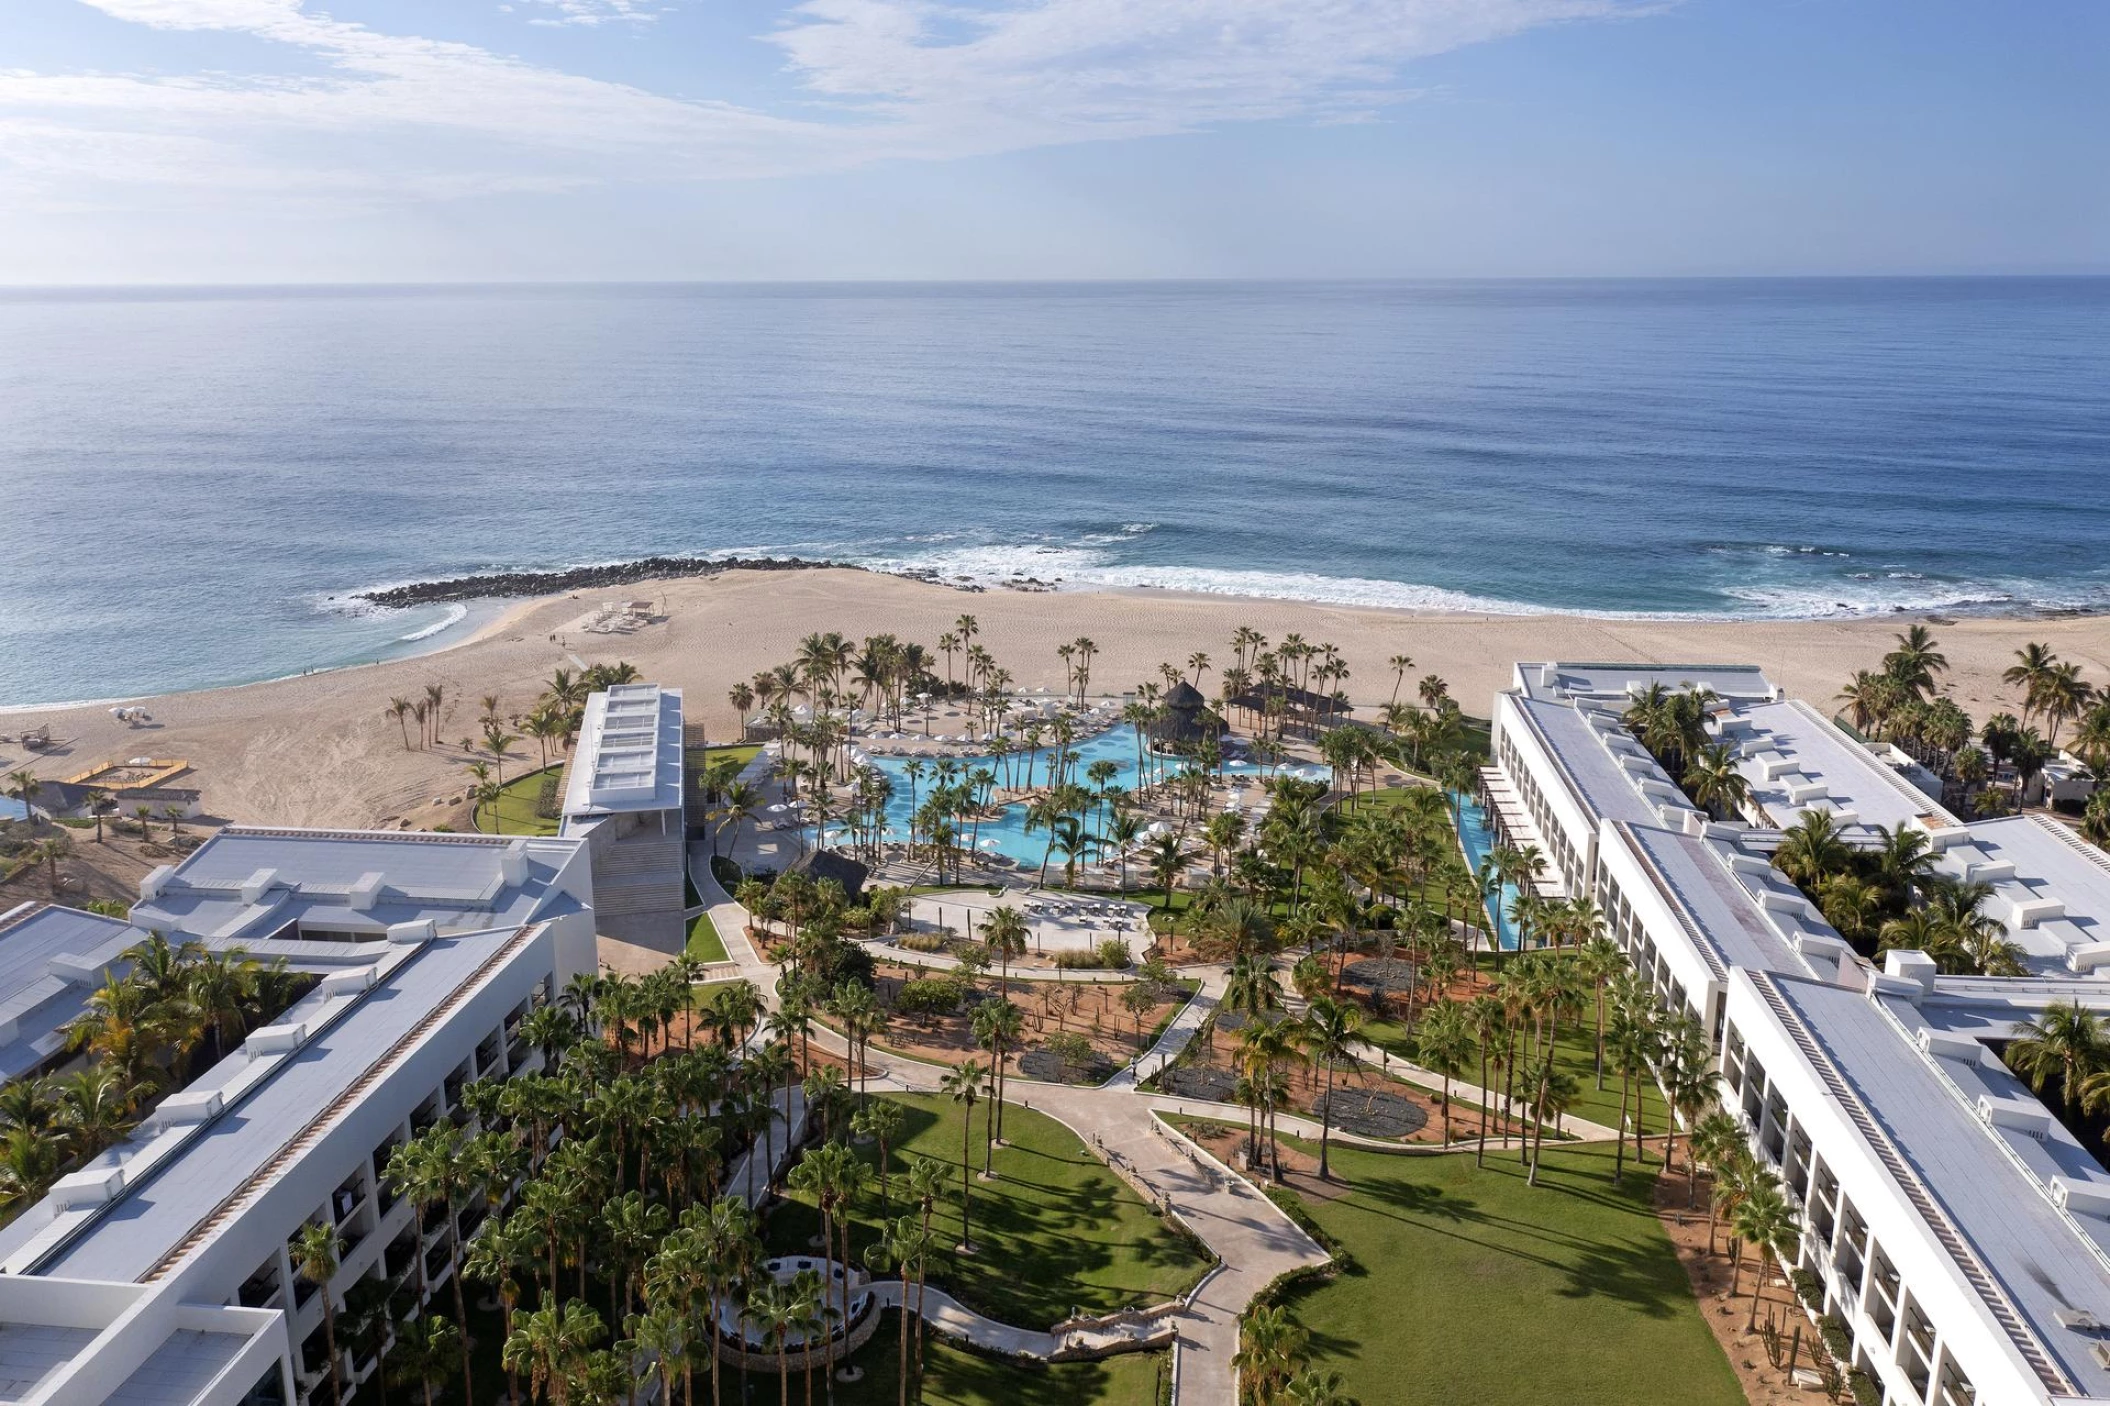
277	140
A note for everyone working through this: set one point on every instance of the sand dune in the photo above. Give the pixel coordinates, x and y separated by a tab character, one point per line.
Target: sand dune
318	750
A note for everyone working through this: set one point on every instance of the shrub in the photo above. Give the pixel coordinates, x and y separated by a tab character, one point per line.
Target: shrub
1110	955
1072	1049
725	872
923	942
1808	1287
549	802
927	997
1832	1328
1866	1392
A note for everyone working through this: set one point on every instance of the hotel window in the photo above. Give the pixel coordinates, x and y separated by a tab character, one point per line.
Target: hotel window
1797	1164
1916	1348
1823	1203
1954	1388
1773	1133
260	1289
1882	1302
1850	1257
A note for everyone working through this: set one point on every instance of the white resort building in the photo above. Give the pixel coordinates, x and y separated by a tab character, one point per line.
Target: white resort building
623	799
159	1274
1956	1227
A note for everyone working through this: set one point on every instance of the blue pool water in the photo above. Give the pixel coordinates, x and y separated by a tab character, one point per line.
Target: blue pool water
1005	833
1479	840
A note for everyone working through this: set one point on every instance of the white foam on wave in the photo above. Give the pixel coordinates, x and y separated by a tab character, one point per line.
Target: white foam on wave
454	616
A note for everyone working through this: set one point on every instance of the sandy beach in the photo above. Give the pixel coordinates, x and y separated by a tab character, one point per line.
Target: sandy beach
319	750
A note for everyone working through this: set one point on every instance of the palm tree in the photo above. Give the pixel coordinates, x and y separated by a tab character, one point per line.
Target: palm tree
95	1109
963	1085
901	1244
1713	780
425	1351
2065	1043
998	1028
1268	1350
438	1168
1767	1221
1713	1142
1444	1045
315	1251
1004	933
1327	1034
549	1342
775	1309
2033	663
504	1247
1915	661
24	787
1812	850
727	1246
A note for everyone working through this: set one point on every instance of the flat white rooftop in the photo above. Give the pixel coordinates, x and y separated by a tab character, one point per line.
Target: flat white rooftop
177	1177
1559	681
1735	919
2042	1260
247	883
1798	761
2051	889
1608	789
51	958
629	755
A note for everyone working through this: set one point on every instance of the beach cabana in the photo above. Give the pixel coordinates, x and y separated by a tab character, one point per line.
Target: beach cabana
1184	721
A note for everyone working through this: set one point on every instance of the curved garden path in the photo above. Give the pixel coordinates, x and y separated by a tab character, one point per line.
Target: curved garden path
1253	1241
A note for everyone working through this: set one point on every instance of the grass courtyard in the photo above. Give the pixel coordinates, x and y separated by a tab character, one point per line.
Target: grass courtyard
698	758
705	945
1055	1230
514	811
1575	1054
1467	1285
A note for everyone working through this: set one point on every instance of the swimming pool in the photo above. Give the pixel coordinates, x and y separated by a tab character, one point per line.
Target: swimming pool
1478	837
1005	832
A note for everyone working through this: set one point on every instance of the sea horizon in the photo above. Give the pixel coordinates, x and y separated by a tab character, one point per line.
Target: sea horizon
209	478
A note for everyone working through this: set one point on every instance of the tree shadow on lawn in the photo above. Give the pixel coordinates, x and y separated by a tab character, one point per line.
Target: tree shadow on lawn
1626	1268
1042	1229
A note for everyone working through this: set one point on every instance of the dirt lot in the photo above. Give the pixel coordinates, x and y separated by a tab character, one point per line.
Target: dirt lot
1090	1009
1764	1384
90	871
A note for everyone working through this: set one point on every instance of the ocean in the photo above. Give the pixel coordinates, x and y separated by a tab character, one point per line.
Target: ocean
195	482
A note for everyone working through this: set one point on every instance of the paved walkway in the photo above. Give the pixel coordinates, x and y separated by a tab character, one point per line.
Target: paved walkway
1180	1031
1390	1063
887	949
949	1316
1252	1239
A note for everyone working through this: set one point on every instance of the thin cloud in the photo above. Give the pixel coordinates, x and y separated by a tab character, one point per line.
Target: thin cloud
393	117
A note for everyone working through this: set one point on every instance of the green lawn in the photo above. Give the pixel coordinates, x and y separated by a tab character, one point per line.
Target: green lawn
955	1377
700	757
1056	1230
514	814
1576	1054
1467	1285
704	943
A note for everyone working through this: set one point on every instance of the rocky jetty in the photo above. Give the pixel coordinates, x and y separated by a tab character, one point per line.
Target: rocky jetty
580	578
